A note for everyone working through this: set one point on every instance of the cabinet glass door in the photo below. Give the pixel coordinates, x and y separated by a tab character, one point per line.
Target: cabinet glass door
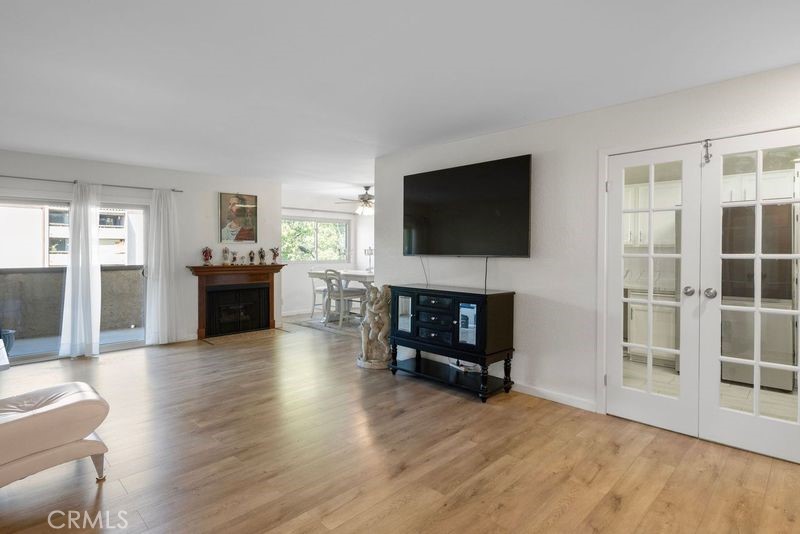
404	314
467	326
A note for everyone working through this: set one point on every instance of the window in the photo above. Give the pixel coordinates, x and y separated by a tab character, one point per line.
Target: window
309	239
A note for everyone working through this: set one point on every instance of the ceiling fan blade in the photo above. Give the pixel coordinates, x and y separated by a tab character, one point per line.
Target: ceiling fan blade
343	201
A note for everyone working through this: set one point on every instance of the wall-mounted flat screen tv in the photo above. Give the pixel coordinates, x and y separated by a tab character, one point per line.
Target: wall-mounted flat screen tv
481	209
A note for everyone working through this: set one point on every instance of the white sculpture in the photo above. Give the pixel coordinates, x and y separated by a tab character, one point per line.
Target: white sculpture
375	330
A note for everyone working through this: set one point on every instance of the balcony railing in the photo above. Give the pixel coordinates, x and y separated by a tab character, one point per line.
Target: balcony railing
31	304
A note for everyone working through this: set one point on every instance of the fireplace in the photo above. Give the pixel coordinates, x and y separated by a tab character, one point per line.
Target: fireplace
234	298
236	308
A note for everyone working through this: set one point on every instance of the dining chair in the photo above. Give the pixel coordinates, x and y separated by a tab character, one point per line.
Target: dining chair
343	296
322	291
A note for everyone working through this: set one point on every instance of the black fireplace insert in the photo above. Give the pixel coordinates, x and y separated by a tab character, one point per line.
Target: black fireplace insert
236	308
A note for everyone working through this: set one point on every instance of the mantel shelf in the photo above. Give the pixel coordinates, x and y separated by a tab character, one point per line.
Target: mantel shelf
205	270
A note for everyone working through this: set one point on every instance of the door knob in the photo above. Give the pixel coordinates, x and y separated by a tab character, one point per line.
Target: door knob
710	292
688	291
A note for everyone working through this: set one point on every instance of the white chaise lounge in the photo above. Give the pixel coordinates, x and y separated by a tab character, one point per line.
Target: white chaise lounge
51	426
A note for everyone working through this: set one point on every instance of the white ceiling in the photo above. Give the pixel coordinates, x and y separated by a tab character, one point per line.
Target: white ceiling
311	91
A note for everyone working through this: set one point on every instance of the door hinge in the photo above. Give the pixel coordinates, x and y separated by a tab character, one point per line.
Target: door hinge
606	187
605	380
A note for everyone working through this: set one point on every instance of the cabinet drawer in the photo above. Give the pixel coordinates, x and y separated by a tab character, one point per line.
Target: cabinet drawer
435	301
437	336
440	319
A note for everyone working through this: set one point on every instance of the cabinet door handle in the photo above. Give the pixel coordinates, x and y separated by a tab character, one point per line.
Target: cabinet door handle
433	317
455	322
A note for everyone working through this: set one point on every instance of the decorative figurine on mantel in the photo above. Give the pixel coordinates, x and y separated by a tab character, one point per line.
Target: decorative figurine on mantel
226	256
276	251
375	327
234	257
252	256
262	256
207	255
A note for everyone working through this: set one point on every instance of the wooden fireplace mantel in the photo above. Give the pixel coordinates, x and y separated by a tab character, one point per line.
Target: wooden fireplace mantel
218	275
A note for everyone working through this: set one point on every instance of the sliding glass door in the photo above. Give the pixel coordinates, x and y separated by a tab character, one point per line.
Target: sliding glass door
33	259
33	250
122	248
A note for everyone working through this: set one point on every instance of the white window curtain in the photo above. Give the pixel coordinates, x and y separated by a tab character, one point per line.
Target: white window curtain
80	325
161	319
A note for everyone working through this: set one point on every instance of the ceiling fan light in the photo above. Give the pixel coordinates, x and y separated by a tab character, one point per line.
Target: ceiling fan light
365	209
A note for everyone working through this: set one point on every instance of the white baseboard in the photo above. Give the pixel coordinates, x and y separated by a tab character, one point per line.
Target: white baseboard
562	398
285	313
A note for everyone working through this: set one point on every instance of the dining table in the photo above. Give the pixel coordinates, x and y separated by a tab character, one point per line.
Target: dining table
366	278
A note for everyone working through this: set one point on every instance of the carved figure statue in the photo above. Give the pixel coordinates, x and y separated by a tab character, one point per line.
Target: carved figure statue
375	330
262	256
226	256
234	257
252	257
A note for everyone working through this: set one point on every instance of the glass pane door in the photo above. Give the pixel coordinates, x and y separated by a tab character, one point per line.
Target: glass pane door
467	328
122	245
750	271
32	277
653	253
404	313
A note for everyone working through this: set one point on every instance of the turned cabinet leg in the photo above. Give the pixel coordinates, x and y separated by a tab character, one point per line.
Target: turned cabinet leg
484	391
507	383
394	358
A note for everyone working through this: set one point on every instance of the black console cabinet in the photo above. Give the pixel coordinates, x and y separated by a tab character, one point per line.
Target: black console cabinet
470	325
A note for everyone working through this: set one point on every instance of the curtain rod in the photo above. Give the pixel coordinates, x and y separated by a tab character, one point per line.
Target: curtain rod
321	211
76	181
700	141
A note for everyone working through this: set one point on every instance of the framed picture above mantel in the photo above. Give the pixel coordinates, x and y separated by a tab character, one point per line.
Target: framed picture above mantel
238	218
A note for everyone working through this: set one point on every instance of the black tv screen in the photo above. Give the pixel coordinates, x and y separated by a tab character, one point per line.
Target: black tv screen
474	210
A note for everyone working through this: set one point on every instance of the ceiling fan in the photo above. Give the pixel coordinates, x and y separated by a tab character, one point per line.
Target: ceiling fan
366	202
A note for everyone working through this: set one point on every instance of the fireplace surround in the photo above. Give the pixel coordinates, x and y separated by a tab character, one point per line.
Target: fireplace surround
235	298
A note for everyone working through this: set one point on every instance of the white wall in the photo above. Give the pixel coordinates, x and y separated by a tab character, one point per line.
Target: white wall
556	303
197	207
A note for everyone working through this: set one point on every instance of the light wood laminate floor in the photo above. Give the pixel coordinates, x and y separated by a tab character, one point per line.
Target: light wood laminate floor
281	432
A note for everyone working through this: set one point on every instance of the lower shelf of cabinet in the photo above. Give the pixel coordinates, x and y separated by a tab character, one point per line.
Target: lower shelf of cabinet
442	372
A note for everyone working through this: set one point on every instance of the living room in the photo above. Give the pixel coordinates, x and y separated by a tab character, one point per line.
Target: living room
399	267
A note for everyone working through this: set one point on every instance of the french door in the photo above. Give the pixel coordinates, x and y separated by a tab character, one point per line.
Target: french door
703	290
653	252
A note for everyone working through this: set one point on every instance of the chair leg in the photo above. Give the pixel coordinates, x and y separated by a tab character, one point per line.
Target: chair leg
313	303
327	311
99	465
341	310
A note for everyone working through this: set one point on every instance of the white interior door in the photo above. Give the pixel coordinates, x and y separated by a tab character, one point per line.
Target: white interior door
653	254
749	306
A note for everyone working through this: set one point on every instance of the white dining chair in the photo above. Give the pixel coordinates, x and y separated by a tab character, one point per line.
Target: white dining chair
342	296
321	290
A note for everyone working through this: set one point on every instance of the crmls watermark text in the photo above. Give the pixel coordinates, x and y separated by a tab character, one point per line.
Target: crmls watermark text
58	519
